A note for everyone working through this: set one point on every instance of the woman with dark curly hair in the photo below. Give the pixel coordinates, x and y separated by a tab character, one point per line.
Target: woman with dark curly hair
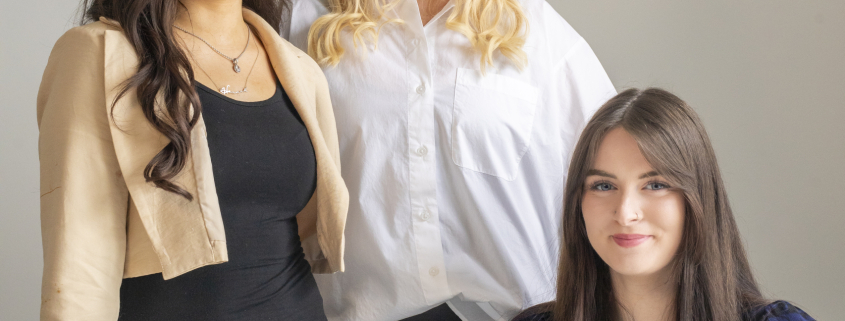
189	166
648	233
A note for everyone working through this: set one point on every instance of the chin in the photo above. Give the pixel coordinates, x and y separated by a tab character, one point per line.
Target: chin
632	265
633	270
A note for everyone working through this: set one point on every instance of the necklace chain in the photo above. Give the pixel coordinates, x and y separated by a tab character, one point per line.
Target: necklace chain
233	60
226	90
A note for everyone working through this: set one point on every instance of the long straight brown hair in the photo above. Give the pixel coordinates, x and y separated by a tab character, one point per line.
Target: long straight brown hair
714	279
165	70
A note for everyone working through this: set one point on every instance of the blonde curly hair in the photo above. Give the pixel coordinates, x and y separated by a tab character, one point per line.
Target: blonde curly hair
489	25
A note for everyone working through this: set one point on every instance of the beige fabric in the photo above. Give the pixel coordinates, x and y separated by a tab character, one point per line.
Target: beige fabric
101	222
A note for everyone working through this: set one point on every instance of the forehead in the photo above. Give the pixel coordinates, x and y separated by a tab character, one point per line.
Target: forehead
620	155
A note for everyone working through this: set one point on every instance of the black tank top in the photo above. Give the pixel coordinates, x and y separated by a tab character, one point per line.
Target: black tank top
265	172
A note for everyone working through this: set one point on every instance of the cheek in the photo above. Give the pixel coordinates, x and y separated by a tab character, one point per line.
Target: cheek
597	212
669	217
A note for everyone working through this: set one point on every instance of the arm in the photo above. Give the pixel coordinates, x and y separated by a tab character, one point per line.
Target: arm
84	200
306	219
583	85
328	212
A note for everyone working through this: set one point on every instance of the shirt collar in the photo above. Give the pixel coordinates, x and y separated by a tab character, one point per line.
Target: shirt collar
409	12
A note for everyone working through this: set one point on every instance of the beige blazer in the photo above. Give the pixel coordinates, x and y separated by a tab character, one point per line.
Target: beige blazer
102	222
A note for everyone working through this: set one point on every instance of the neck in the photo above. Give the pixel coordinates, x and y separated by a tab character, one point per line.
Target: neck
430	8
218	21
648	297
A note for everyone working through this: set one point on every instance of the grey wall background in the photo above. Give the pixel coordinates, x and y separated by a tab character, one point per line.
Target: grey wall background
767	77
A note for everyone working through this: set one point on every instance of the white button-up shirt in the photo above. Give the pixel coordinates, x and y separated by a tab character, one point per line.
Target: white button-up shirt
455	177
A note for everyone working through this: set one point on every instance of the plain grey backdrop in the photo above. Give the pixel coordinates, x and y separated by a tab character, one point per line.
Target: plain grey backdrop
767	77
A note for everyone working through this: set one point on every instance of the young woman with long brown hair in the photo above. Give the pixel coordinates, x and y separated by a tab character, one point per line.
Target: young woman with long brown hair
648	233
186	150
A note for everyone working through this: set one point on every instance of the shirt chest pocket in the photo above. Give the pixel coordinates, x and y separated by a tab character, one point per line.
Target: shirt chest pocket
491	122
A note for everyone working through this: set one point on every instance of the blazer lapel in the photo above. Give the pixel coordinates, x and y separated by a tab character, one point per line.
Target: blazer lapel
298	85
170	220
189	234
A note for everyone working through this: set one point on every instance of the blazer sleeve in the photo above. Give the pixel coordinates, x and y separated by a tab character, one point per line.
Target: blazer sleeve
84	200
325	115
307	218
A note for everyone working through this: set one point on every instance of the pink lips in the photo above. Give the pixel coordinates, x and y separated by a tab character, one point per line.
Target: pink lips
630	240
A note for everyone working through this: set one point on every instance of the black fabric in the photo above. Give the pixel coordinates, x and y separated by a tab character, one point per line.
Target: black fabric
439	313
265	172
542	316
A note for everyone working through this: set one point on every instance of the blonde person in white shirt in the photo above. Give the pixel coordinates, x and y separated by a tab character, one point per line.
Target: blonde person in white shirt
455	136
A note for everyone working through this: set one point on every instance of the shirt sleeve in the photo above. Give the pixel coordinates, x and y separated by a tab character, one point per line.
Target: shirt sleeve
578	82
579	87
584	82
84	199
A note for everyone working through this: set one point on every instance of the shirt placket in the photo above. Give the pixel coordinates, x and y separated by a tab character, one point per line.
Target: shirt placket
422	149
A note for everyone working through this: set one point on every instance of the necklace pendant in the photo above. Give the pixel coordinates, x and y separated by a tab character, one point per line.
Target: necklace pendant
235	65
226	90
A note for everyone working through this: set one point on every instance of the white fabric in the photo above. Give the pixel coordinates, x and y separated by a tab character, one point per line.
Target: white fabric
455	177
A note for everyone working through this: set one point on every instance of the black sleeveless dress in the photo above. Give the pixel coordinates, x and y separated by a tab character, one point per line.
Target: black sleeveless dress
265	172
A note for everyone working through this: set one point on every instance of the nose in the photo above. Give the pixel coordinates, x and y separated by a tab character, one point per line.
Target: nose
628	211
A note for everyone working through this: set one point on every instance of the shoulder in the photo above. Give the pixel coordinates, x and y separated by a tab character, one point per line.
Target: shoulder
777	311
80	46
551	42
548	26
79	51
84	37
74	72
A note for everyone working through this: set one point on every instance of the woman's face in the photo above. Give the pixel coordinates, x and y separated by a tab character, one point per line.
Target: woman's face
634	219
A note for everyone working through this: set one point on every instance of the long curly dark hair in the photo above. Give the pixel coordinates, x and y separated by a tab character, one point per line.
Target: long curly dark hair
165	74
712	273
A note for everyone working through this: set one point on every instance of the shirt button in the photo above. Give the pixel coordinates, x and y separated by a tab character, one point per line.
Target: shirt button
434	271
422	151
425	215
415	42
421	89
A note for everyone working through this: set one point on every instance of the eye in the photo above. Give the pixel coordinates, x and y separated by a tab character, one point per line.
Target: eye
656	186
601	186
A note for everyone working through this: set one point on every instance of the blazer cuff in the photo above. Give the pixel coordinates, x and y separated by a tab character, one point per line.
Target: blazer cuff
314	255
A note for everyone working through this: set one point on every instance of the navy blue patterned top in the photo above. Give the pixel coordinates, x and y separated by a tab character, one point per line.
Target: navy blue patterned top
776	311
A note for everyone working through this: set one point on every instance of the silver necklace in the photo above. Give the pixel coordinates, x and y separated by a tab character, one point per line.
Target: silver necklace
226	90
233	60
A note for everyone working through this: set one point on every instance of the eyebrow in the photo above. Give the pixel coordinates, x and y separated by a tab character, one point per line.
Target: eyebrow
599	172
649	174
